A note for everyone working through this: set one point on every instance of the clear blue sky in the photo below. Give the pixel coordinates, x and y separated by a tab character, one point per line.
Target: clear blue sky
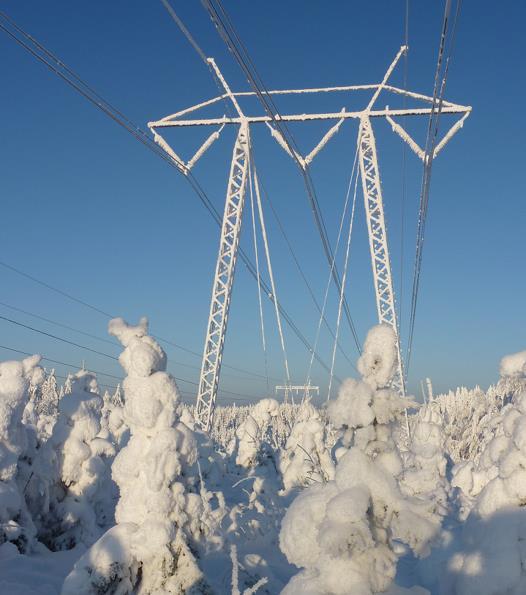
86	208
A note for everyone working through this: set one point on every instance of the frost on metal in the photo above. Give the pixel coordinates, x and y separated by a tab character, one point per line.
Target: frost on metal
223	279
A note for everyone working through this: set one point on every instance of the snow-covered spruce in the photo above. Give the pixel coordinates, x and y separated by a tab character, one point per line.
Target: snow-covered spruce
227	420
251	433
344	533
70	492
468	419
157	516
16	377
492	556
41	411
113	427
306	458
424	473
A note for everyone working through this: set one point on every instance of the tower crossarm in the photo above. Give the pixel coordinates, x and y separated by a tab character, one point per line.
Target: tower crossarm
347	115
231	224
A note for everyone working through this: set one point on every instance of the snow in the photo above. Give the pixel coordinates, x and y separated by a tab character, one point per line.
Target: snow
514	365
153	505
251	432
377	363
305	458
16	525
341	532
120	493
42	573
71	485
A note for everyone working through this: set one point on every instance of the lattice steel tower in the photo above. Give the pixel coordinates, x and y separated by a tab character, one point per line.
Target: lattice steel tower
232	216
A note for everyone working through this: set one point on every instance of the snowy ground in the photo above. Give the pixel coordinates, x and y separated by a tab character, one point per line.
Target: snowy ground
38	574
122	494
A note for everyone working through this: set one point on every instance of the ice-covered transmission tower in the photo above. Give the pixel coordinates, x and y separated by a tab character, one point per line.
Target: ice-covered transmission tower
297	389
237	182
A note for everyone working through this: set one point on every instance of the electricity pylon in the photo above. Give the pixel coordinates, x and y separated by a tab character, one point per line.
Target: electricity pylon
232	217
296	389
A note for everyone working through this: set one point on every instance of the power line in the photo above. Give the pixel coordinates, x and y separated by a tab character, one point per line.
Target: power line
57	338
300	270
114	343
63	293
60	324
96	99
404	170
99	383
55	361
187	33
227	33
432	134
344	279
178	378
83	302
63	340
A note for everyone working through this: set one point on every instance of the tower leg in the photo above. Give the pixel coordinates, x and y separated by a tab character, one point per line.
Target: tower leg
374	210
223	281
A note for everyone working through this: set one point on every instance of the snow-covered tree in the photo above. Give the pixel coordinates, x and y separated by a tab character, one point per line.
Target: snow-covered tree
425	465
306	458
470	416
157	515
113	427
346	534
251	433
70	491
16	377
492	557
257	506
41	410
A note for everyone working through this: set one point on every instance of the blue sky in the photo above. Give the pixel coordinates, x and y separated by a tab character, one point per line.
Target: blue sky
87	209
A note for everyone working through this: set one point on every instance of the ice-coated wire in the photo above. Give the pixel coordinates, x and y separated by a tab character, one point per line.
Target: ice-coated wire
327	287
344	279
72	79
228	33
270	270
432	133
256	254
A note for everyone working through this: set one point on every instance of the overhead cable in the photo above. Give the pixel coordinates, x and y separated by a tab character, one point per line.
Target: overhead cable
441	74
88	93
240	53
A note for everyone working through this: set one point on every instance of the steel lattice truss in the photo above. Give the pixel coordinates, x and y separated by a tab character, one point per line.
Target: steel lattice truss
374	210
232	219
223	280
